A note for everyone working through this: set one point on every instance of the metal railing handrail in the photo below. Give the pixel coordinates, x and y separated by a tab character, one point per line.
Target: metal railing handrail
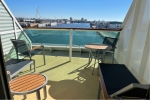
73	29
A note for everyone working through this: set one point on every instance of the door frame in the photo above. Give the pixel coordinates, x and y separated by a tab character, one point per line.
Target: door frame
4	84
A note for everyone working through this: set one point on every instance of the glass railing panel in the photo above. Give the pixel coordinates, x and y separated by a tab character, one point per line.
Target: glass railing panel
48	37
82	37
61	37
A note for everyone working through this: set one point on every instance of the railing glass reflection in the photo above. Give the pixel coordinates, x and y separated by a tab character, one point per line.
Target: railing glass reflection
55	37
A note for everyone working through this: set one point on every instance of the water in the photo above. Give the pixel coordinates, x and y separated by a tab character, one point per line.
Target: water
61	37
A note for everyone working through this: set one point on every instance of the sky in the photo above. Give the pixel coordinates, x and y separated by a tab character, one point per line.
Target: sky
107	10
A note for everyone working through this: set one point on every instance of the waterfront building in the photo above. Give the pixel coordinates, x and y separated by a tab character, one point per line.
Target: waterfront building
70	19
114	24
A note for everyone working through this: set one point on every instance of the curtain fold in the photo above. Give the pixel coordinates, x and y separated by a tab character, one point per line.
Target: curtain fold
134	45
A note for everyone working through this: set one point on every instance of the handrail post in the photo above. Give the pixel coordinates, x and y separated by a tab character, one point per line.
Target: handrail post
70	49
15	33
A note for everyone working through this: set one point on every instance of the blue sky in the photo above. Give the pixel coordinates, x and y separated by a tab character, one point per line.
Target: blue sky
108	10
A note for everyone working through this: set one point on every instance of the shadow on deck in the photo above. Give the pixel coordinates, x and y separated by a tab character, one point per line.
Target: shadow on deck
66	80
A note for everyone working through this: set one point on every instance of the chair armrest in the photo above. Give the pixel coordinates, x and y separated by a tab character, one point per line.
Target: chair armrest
37	47
113	49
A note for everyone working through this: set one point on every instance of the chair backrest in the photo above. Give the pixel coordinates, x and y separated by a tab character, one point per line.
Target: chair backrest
110	41
21	47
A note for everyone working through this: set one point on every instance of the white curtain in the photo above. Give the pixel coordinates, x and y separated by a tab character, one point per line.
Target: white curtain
134	42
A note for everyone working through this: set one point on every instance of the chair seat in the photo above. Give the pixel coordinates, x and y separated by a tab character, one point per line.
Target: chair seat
17	65
101	52
32	53
116	77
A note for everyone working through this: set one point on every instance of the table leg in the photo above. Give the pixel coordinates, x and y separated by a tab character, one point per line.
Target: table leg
97	70
94	66
38	95
45	93
103	56
12	97
30	67
34	66
24	96
90	58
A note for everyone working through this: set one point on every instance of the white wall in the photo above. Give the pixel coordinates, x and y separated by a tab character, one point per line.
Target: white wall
134	45
9	29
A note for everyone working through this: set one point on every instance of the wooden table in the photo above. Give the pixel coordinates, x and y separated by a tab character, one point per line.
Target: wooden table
97	55
28	84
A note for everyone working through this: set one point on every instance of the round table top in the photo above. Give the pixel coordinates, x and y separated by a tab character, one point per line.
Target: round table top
27	83
98	46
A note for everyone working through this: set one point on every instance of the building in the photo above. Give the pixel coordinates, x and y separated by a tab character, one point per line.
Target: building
114	25
28	20
82	19
70	19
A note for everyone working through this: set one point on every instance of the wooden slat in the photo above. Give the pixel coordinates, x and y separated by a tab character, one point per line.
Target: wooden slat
27	82
105	94
29	86
22	80
32	86
35	48
20	84
17	84
98	46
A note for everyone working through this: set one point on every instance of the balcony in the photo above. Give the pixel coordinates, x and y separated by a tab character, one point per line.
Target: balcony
66	80
67	57
66	61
